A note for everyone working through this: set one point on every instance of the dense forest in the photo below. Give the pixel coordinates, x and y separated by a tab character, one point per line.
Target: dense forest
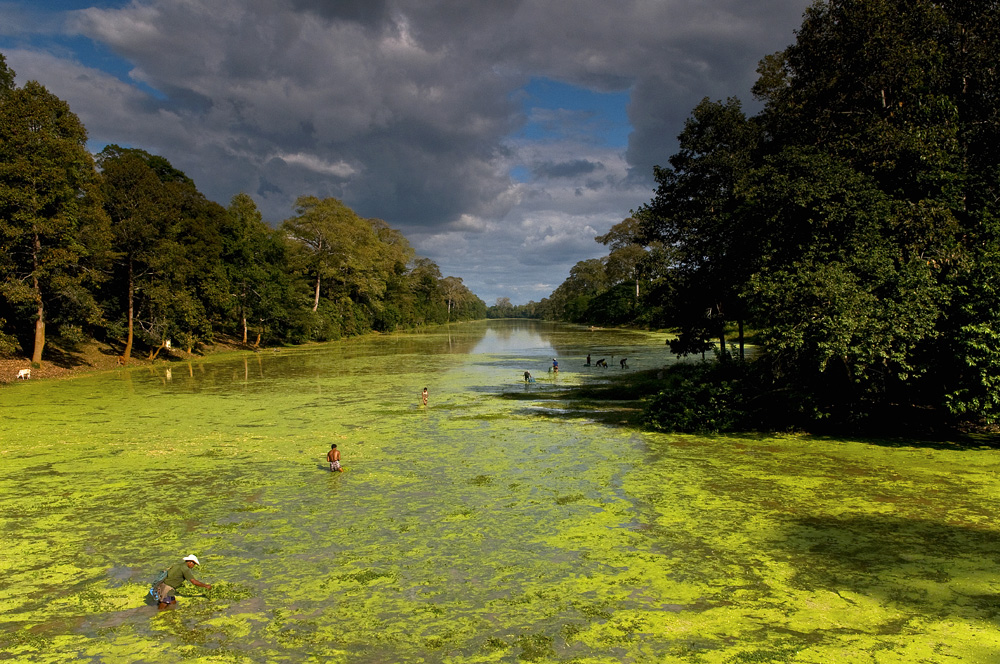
838	251
123	248
850	229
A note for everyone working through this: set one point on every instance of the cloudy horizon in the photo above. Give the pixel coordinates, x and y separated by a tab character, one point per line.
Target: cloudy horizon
499	137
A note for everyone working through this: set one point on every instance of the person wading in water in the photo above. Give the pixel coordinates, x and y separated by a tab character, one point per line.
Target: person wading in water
173	577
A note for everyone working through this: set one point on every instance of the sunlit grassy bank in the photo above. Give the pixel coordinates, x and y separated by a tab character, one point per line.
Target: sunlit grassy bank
478	529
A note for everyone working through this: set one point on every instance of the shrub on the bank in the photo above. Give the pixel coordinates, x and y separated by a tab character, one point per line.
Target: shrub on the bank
698	398
735	395
8	342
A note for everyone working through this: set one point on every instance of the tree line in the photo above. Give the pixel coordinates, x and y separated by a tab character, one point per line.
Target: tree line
851	227
122	247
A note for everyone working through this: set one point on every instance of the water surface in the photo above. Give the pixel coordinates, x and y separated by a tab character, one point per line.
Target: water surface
477	529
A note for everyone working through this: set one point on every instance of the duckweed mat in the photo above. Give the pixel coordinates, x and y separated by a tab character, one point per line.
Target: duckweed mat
476	529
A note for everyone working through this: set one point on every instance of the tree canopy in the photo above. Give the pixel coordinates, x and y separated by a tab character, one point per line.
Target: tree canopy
123	247
852	224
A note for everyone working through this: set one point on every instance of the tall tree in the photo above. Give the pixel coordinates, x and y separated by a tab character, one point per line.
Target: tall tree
628	256
425	279
454	292
899	98
697	211
254	260
46	197
397	306
333	242
6	78
140	210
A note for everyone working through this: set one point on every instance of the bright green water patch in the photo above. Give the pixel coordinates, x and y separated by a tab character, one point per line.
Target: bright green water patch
477	529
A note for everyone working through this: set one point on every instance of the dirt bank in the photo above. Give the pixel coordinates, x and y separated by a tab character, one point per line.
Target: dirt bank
94	356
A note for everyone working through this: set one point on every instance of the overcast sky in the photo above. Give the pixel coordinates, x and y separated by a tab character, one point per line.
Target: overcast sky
500	136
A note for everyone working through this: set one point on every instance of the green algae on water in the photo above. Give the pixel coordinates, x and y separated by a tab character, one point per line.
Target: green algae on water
476	529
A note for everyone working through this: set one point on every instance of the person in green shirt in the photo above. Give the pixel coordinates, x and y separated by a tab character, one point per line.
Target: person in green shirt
176	575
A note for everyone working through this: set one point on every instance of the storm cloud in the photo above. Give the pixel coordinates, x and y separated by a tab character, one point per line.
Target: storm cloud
409	111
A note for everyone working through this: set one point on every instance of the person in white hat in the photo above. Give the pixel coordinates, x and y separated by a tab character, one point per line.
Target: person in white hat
175	575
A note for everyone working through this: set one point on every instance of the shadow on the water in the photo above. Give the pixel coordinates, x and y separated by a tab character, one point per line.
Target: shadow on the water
619	398
610	397
912	562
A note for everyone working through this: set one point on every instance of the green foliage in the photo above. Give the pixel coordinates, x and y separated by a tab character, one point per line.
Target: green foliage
50	223
615	306
362	275
697	400
853	222
8	342
6	78
70	336
254	258
136	254
718	397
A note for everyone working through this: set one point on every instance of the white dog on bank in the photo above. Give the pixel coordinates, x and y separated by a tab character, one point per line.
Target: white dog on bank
24	374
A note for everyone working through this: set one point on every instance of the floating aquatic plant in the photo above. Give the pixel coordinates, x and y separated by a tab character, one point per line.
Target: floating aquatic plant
473	530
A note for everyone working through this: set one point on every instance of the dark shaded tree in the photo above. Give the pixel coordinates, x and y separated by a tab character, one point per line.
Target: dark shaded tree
48	204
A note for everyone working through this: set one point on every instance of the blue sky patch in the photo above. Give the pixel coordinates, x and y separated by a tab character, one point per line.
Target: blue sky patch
520	174
558	111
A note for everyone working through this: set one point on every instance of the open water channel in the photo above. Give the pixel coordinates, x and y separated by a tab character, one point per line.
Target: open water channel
480	528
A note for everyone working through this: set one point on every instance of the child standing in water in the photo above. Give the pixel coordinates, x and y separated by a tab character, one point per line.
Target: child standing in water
333	456
423	396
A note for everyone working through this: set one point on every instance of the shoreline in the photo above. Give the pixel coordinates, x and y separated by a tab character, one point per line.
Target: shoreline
95	357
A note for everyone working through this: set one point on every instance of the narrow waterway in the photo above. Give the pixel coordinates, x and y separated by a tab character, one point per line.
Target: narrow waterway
479	528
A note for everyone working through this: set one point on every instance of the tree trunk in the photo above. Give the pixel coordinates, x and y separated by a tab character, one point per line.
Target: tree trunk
740	323
36	353
131	311
722	332
316	300
154	354
243	313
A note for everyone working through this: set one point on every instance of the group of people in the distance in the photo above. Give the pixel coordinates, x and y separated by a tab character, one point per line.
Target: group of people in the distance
604	363
555	367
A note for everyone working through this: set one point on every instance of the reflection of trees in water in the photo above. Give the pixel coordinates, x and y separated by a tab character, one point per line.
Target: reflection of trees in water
599	343
514	336
506	329
518	335
365	356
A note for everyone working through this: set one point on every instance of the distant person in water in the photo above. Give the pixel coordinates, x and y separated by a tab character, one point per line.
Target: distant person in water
624	363
333	456
602	363
528	378
555	365
175	576
423	396
588	360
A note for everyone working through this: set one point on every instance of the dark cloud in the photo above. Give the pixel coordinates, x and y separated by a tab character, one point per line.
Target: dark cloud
406	109
369	13
565	169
